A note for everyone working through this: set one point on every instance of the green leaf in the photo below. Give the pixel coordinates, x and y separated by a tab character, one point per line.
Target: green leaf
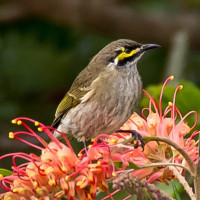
187	98
5	172
132	166
177	196
118	164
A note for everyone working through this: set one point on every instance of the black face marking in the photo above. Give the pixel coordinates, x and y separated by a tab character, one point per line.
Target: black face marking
111	60
117	52
125	60
127	49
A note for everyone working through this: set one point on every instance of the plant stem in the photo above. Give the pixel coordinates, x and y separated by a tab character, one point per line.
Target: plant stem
197	178
178	148
182	180
173	144
194	170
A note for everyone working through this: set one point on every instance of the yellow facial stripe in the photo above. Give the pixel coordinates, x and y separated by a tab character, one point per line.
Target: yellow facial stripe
123	55
123	48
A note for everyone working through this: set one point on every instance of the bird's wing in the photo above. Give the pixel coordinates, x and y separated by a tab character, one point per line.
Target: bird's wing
70	100
79	88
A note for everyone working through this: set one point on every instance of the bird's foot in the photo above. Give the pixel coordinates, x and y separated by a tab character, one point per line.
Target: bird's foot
137	136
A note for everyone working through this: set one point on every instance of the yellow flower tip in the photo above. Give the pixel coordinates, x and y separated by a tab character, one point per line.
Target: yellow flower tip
169	125
11	135
63	169
89	146
42	168
35	183
171	78
113	141
92	140
80	154
40	129
39	191
19	190
59	196
89	196
37	123
19	122
170	103
6	197
14	121
67	178
82	183
78	183
52	182
91	179
152	125
140	125
114	174
1	176
180	87
98	163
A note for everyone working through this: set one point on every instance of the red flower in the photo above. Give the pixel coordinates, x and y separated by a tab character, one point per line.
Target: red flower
161	124
57	172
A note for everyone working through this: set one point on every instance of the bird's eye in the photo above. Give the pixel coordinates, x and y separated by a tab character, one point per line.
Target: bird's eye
127	50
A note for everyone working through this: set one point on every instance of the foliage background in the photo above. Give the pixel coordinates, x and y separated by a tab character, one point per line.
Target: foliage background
44	45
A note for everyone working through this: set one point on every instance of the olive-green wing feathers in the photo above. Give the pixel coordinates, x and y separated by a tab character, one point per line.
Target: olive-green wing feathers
70	100
79	88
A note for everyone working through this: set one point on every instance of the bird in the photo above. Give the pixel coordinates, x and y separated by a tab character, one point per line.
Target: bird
104	94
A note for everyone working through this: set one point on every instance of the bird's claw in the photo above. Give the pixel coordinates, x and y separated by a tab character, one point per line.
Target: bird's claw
137	136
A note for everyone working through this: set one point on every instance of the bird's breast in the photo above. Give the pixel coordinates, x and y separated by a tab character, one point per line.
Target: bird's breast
105	108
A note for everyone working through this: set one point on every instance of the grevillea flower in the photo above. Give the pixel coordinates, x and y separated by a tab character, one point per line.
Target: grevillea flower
158	123
58	173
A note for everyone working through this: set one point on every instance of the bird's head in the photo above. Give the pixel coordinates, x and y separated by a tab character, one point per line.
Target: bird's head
121	52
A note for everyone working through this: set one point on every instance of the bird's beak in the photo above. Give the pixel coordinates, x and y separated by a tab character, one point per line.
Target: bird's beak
146	47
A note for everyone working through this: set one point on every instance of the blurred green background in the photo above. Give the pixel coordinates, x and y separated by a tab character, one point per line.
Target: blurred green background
45	44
